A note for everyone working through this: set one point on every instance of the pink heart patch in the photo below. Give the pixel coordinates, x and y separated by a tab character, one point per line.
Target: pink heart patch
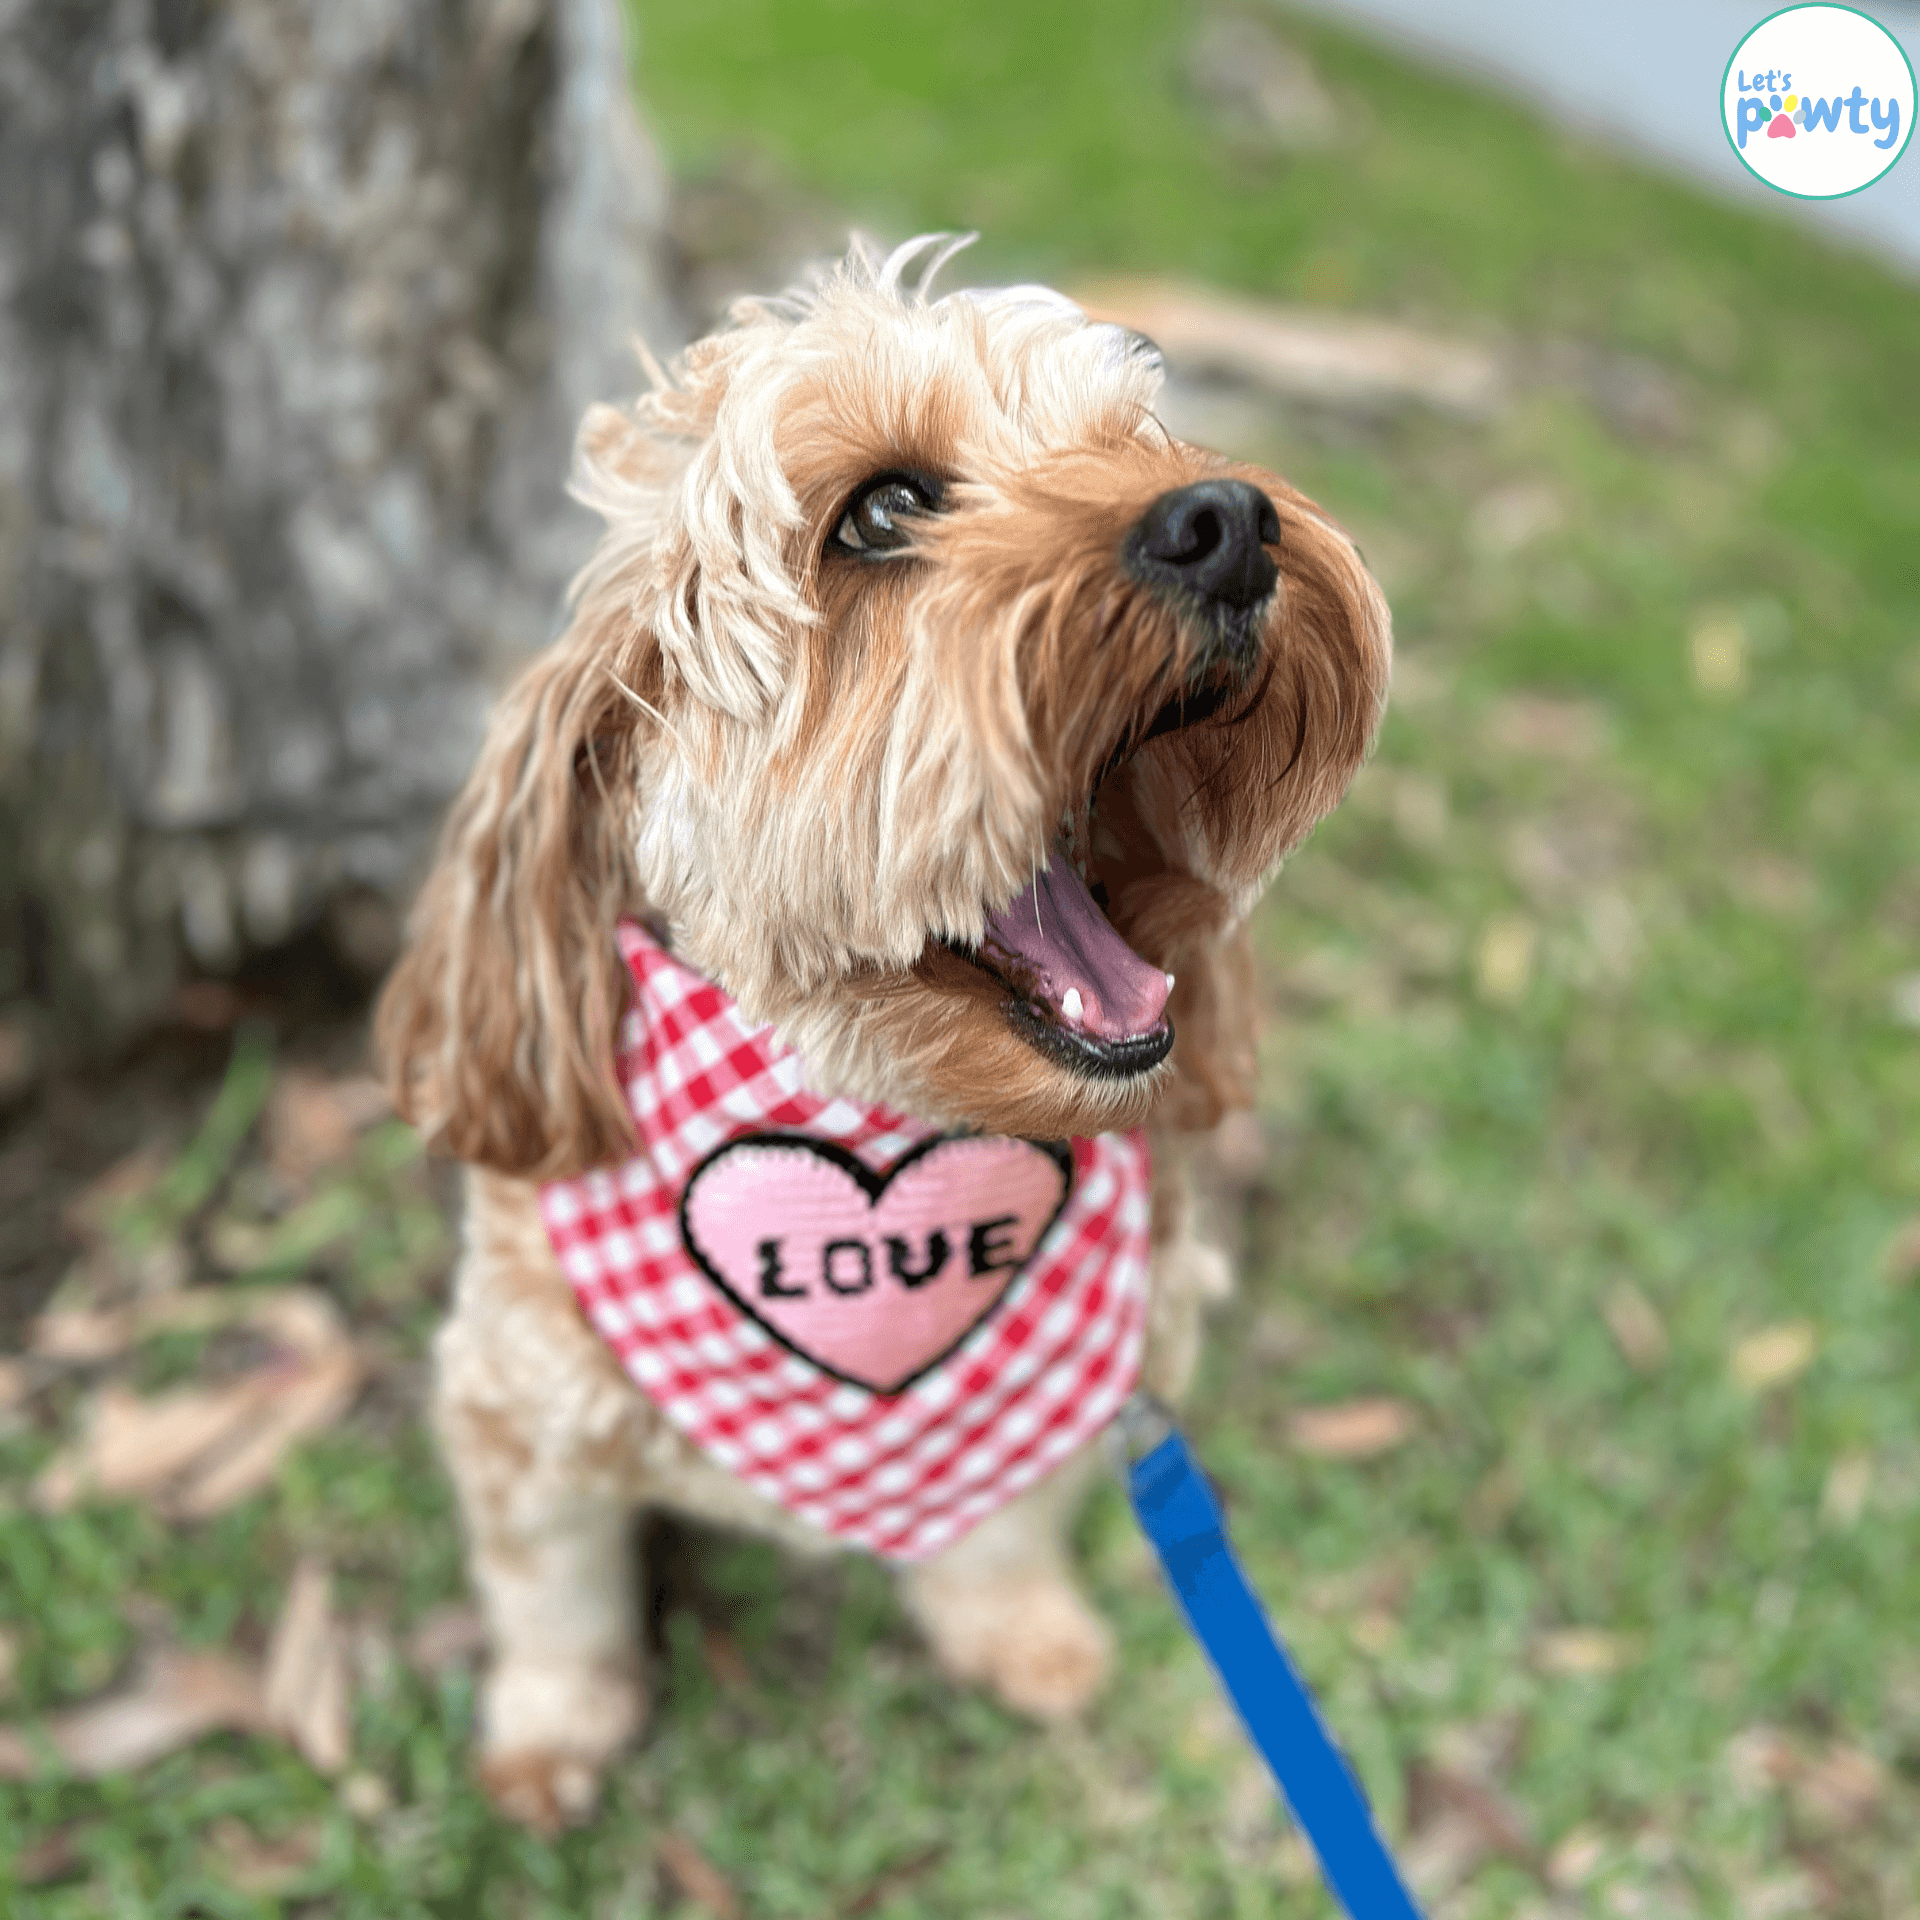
875	1278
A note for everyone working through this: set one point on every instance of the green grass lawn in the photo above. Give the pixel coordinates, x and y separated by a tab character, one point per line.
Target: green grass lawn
1594	1131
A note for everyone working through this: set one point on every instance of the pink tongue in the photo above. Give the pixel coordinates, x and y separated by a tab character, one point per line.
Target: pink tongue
1068	945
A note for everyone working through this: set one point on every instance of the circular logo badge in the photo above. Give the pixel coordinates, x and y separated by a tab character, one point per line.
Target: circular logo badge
1818	101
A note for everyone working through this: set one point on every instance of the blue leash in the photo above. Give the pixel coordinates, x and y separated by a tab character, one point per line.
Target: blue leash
1182	1518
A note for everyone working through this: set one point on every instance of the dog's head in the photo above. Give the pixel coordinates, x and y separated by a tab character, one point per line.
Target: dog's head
938	703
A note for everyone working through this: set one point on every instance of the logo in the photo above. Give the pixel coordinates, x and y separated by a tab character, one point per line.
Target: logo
1818	101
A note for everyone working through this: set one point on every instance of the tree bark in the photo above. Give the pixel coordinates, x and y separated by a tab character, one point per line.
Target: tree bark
299	303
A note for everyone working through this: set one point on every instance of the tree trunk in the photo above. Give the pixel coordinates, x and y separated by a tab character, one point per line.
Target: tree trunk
299	303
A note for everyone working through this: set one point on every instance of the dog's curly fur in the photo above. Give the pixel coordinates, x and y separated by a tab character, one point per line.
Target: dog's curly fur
817	774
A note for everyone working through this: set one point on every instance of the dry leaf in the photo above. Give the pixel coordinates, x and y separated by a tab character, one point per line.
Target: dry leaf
196	1451
366	1796
1351	1429
1577	1652
447	1636
1775	1355
1460	1814
308	1400
302	1318
180	1697
137	1444
83	1336
312	1121
306	1675
1636	1326
134	1445
239	1858
80	1336
1759	1758
1472	1791
1842	1789
696	1876
1329	359
1574	1857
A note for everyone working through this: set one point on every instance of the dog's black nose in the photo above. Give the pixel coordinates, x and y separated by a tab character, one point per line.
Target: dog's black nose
1211	539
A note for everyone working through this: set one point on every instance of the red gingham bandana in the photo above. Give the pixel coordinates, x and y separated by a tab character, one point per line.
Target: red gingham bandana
889	1330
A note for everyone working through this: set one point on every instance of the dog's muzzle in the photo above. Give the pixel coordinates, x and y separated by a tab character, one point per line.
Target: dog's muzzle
1082	995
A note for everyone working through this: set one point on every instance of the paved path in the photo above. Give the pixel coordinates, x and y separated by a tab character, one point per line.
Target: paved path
1647	74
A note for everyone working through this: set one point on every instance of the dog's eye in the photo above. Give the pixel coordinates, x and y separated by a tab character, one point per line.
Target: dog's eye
871	523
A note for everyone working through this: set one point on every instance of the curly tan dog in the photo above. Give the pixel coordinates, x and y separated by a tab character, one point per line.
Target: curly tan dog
948	716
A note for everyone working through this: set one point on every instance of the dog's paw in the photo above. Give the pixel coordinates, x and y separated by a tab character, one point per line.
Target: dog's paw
544	1791
550	1729
1034	1644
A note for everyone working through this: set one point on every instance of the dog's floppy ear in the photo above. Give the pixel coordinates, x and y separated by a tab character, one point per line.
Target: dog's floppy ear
496	1029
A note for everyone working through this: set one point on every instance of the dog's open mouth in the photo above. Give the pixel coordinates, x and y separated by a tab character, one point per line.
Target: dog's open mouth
1082	995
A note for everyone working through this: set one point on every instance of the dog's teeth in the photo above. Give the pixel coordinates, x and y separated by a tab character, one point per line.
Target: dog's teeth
1070	1003
1169	983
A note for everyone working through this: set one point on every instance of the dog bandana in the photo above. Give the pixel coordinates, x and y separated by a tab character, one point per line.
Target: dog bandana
889	1330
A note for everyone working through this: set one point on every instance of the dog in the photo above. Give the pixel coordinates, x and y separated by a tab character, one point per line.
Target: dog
911	623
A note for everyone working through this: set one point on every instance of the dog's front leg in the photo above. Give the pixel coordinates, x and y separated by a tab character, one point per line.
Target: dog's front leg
551	1559
1001	1606
538	1433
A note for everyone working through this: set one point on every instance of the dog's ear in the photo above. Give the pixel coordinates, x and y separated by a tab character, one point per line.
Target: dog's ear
497	1028
718	579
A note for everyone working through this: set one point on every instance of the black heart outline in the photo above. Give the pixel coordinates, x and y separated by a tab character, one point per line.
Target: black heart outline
873	1185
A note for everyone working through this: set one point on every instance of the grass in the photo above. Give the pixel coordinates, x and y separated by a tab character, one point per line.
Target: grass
1581	1010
